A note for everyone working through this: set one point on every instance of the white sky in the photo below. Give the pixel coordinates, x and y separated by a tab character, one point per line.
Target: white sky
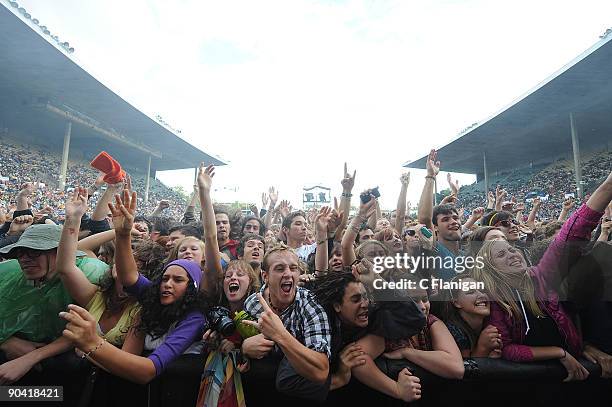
286	91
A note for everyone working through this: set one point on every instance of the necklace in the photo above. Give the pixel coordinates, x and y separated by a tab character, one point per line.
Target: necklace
272	305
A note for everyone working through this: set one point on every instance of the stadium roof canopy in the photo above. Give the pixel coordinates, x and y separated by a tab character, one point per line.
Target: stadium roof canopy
41	88
536	126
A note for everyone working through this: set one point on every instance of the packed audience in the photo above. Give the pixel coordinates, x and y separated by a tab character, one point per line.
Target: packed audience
19	164
320	293
551	182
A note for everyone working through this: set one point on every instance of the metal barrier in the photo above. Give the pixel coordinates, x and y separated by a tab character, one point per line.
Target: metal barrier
486	380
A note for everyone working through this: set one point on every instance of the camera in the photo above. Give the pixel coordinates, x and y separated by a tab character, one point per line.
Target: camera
367	195
219	320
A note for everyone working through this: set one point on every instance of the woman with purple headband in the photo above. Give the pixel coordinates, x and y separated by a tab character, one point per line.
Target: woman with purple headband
171	319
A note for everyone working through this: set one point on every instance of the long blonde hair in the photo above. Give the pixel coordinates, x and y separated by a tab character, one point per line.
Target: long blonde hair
499	286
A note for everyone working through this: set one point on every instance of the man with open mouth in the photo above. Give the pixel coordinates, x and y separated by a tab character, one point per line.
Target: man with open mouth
293	320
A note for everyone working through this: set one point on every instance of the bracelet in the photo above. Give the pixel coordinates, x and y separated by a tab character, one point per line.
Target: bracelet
322	241
91	352
430	176
564	355
347	195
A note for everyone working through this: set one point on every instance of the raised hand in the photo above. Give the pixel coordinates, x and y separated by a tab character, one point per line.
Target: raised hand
264	200
405	178
454	186
433	166
76	205
284	208
450	200
500	193
269	324
164	204
254	209
519	207
490	199
205	176
19	224
367	209
322	220
568	204
477	213
348	181
273	194
537	202
27	188
123	212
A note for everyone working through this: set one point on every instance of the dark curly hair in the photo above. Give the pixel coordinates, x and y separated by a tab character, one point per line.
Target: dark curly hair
156	319
329	289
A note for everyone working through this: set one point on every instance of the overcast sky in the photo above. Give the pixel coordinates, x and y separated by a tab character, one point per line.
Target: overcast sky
286	91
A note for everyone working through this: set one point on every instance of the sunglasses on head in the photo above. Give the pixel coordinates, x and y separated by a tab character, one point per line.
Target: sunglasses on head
410	232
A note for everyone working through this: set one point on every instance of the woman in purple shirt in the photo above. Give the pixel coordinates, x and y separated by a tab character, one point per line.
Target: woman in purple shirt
171	319
527	312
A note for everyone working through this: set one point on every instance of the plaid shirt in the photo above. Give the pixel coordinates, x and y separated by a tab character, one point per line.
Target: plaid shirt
305	320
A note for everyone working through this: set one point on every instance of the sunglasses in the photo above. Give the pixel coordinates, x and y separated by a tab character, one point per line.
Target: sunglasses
410	232
508	223
26	252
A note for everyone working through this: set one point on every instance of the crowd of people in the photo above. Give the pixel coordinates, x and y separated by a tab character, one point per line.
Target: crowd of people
19	164
321	293
551	182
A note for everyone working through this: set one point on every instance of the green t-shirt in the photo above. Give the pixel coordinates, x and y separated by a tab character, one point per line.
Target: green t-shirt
30	312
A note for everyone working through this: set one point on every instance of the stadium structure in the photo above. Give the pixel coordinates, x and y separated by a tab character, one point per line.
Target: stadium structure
567	114
48	100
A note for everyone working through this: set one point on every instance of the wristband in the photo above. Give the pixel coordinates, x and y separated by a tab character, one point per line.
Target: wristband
321	242
347	195
430	176
564	355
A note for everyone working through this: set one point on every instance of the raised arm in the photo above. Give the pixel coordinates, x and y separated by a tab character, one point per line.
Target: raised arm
474	217
568	204
101	210
212	257
602	196
321	222
78	286
189	214
270	214
348	182
500	194
578	227
425	210
348	251
453	185
123	221
400	212
373	217
490	201
163	204
23	196
533	213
